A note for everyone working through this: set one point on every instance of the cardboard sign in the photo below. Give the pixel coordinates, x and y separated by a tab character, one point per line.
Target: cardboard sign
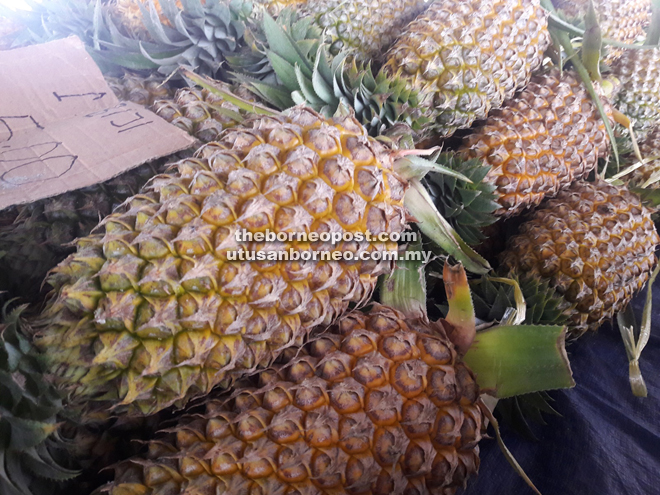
62	127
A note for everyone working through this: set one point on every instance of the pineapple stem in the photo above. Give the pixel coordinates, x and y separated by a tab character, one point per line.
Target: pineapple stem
507	453
591	44
461	317
405	288
210	85
512	360
623	120
634	347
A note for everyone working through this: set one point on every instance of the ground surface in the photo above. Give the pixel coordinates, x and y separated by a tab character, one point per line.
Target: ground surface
606	443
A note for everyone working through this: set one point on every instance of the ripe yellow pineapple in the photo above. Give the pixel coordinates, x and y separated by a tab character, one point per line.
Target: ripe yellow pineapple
367	26
542	140
151	312
466	57
379	404
594	243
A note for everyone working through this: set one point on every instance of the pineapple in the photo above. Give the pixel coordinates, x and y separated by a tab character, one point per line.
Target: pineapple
369	27
200	113
274	7
542	140
619	20
638	72
128	16
466	58
649	149
438	76
594	243
380	404
154	311
36	237
141	90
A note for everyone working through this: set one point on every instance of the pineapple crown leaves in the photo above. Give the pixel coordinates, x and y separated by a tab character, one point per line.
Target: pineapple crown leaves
46	21
544	306
306	72
468	206
199	34
518	411
252	61
28	412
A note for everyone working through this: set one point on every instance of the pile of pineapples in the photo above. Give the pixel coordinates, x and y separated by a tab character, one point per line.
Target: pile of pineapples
322	116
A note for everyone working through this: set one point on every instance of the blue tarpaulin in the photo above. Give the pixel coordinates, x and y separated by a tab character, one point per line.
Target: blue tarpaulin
607	441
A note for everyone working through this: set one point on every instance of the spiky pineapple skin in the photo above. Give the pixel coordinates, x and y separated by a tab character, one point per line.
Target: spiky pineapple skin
274	7
367	26
595	243
649	148
619	20
38	236
200	113
378	405
466	58
542	140
141	90
638	72
152	312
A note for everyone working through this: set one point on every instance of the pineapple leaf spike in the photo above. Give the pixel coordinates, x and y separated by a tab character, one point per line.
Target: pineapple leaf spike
208	84
635	345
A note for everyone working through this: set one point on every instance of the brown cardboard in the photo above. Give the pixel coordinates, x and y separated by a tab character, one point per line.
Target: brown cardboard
62	127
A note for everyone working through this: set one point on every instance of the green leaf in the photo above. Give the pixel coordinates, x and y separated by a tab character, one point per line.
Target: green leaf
26	434
520	359
307	90
415	167
434	226
405	288
285	46
40	462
